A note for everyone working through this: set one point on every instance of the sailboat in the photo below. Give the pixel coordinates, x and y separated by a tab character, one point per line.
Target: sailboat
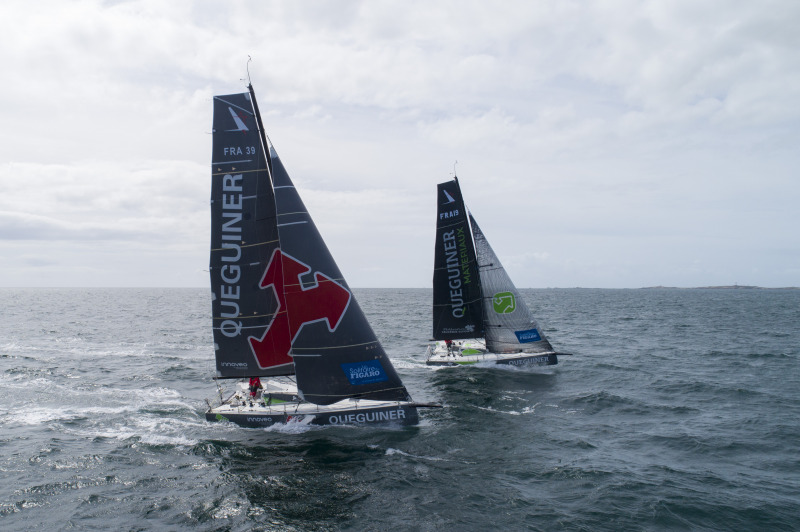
478	313
281	308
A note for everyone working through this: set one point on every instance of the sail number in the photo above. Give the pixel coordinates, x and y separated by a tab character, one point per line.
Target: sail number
237	150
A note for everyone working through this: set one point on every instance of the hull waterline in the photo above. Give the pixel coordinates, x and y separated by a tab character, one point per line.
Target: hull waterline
348	412
468	352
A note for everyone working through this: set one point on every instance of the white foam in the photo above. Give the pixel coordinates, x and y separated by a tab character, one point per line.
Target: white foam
148	430
41	415
392	451
293	426
404	363
524	411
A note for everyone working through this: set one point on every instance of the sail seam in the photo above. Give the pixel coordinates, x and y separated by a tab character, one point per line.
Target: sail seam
445	226
231	162
251	245
248	317
238	171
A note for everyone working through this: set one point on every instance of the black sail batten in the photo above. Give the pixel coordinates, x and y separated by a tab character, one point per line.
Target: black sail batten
457	303
336	353
244	237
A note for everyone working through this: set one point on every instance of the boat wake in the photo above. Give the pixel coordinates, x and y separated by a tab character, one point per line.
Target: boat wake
293	426
391	451
525	411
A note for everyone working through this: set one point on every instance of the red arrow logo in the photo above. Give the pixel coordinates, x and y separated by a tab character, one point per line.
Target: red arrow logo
327	300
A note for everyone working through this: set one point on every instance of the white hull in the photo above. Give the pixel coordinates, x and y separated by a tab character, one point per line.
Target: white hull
473	351
266	410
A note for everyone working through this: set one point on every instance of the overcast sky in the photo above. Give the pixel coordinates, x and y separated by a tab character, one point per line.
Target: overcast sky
599	144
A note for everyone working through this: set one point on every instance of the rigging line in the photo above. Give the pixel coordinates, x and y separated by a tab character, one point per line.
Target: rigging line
336	346
238	171
231	162
249	246
243	327
244	198
254	317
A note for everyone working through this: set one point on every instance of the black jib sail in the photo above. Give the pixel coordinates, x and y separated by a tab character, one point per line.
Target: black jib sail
244	237
336	353
510	326
457	305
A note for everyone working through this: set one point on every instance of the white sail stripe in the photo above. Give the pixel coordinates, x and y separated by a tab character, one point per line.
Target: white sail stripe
243	197
338	280
336	346
232	162
248	264
293	223
283	186
449	305
254	316
243	327
249	246
217	174
250	112
445	226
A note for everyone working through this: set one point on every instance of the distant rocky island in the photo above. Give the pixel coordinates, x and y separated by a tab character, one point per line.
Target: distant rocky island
725	287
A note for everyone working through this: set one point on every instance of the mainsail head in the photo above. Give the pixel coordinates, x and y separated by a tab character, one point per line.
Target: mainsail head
509	324
456	285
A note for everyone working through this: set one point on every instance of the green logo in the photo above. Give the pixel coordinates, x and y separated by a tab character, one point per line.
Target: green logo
504	303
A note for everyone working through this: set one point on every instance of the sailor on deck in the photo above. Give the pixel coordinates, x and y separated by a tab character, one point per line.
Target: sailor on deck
255	385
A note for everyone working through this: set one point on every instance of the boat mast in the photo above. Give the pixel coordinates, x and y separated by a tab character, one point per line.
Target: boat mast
260	125
261	134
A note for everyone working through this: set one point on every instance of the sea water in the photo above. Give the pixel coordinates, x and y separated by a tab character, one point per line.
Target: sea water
678	410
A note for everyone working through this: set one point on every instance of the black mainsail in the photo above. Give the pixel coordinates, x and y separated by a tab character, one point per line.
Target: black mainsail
244	236
457	308
281	306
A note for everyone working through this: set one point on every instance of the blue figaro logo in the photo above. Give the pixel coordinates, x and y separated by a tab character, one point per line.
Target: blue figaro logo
531	335
365	372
